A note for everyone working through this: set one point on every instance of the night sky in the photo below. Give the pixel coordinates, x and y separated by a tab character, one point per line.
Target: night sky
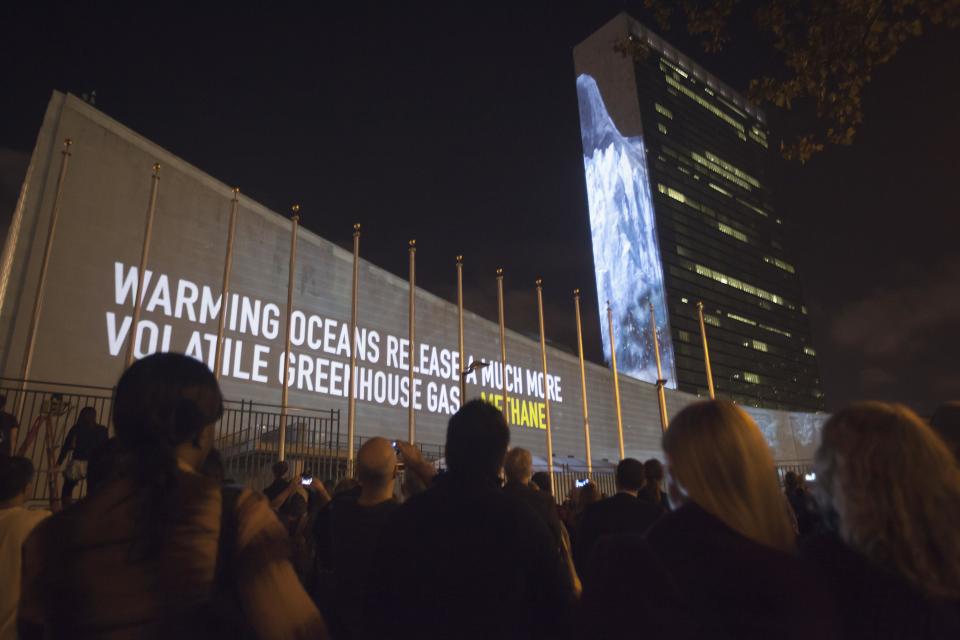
456	124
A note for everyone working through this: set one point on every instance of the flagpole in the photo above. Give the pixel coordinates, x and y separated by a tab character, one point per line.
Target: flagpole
503	342
411	410
44	265
706	351
546	395
351	393
583	384
616	381
661	394
463	365
291	272
224	289
144	254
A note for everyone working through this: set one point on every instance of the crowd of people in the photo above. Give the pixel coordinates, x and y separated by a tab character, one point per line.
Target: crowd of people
706	544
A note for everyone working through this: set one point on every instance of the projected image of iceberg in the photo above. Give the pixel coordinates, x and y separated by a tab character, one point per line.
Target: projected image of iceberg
625	252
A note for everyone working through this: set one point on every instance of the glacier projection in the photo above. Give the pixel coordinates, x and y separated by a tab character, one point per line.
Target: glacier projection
626	257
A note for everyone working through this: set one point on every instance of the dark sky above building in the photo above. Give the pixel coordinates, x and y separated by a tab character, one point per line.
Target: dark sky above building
456	124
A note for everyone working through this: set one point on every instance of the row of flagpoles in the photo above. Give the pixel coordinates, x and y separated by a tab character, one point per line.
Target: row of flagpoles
351	398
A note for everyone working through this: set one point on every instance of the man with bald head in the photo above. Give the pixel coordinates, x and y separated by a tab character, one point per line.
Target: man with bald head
518	468
355	526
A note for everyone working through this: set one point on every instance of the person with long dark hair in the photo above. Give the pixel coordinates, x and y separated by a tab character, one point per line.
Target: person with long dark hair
159	550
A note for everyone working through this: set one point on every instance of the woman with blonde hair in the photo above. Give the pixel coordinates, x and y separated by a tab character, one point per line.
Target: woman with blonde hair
722	564
889	489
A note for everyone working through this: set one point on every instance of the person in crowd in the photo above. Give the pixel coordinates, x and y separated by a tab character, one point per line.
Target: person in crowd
620	513
9	428
518	469
161	551
799	503
463	559
946	422
16	523
652	489
890	493
103	464
722	564
82	440
287	497
355	527
542	480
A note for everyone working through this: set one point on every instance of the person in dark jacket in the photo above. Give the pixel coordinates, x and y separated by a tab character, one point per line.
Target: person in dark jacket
889	489
652	490
82	441
620	513
722	564
518	469
463	559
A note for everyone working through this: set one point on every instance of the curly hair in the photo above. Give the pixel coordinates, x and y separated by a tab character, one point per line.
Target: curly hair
892	489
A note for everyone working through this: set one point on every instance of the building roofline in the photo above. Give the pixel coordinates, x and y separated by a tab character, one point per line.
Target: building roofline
675	56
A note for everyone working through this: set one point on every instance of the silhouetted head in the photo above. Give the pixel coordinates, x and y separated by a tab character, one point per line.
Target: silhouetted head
542	480
16	474
629	475
87	417
280	470
891	488
164	401
477	440
164	412
946	422
518	466
376	464
653	471
790	481
719	459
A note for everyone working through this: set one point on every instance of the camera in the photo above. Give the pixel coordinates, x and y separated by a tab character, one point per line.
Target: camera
810	477
306	479
582	482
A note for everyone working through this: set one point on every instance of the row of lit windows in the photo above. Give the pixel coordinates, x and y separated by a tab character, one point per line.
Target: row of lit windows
699	159
720	189
732	178
715	321
730	231
662	128
706	104
688	352
681	197
754	323
746	287
740	173
758	135
777	262
809	351
681	231
662	110
758	210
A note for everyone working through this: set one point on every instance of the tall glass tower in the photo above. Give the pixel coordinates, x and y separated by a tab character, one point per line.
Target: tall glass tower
681	212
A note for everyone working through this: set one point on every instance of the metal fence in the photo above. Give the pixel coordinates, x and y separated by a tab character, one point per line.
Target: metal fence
248	435
45	412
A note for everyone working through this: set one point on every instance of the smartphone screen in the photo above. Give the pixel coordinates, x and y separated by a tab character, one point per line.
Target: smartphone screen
306	480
